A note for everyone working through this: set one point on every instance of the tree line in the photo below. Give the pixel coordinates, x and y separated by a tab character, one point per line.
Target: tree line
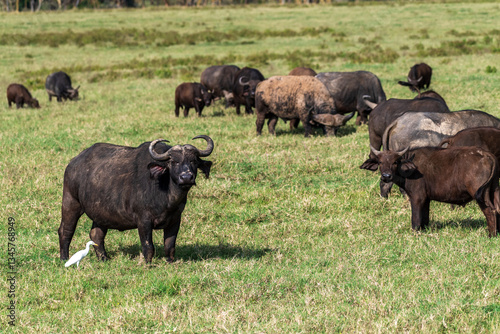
37	5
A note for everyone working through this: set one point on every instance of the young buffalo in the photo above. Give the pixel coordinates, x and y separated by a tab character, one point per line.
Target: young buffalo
454	175
20	95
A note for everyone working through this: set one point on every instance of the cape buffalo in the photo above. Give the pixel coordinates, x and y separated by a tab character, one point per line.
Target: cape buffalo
386	112
300	71
292	97
244	85
123	188
419	77
219	81
348	90
20	95
303	71
191	95
58	84
455	175
422	129
487	138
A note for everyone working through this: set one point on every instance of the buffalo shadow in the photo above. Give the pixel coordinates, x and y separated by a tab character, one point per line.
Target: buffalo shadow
467	224
199	252
315	131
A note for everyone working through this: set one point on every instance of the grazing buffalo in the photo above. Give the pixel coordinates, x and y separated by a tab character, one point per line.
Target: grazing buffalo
487	138
219	81
383	114
349	89
58	84
191	95
423	129
123	188
455	175
20	95
419	77
244	85
415	130
296	97
299	71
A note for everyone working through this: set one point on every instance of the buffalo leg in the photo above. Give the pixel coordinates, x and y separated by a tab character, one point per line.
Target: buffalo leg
248	106
97	235
491	218
307	127
198	110
169	238
186	111
176	110
19	102
271	125
261	119
294	123
420	214
238	110
70	213
146	236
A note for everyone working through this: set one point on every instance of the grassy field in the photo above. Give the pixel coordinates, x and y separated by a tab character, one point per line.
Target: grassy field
287	234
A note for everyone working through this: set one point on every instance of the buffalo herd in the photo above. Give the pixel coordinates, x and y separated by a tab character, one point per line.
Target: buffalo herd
429	151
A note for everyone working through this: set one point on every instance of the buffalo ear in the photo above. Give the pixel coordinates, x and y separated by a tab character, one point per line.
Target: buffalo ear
407	168
155	170
205	166
370	164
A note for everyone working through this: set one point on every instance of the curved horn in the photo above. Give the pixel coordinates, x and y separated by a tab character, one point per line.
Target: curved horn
154	155
400	153
77	88
210	146
377	153
243	83
347	117
369	103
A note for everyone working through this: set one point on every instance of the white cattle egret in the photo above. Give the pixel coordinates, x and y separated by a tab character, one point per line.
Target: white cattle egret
79	255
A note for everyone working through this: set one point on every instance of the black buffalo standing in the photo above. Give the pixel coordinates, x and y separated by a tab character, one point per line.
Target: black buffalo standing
419	77
349	90
219	81
244	86
58	84
18	94
456	175
191	95
125	188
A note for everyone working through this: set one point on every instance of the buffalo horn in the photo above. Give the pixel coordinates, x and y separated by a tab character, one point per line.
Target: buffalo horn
154	155
400	153
368	102
377	153
210	146
347	117
243	83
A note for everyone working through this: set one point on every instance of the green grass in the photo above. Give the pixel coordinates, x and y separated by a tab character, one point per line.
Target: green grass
287	234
